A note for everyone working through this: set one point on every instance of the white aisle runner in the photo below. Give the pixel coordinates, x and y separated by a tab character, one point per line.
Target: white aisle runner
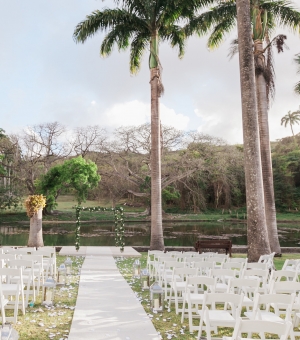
106	307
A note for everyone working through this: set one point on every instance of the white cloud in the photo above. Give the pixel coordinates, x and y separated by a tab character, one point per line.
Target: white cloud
218	124
136	113
171	118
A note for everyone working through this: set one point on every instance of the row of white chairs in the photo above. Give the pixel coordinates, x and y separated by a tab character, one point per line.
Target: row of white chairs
156	260
191	293
23	272
205	279
229	310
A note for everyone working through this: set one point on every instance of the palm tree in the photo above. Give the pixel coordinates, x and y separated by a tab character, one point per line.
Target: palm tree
257	235
291	118
142	25
264	14
297	86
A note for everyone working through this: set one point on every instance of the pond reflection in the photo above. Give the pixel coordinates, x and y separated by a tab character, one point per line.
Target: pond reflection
175	234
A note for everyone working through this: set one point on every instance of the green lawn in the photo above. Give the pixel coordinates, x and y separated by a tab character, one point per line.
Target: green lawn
65	212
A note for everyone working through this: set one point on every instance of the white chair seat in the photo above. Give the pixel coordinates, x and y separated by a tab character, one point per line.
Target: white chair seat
220	316
180	285
195	298
10	288
266	316
247	301
221	287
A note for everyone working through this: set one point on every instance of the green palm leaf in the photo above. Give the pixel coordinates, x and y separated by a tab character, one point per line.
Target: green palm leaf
284	13
137	49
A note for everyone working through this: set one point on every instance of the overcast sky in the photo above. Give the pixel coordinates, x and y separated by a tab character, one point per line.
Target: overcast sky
45	77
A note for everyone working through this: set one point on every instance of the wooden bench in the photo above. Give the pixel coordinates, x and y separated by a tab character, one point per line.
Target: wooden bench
214	244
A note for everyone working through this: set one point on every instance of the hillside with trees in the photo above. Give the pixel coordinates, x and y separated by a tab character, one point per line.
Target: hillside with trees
199	172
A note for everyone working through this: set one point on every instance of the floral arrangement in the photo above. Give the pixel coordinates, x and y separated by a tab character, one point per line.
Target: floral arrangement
34	203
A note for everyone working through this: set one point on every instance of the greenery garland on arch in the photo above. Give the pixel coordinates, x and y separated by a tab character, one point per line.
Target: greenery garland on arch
119	224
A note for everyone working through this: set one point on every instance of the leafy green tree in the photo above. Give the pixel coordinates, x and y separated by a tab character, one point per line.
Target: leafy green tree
76	174
291	118
143	25
286	166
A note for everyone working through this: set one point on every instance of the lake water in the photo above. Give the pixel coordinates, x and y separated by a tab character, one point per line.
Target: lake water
175	234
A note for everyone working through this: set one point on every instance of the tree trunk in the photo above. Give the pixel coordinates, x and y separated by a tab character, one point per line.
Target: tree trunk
36	231
266	160
258	243
157	240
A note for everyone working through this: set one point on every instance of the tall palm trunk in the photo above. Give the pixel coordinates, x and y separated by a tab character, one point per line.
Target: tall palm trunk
157	240
266	160
257	235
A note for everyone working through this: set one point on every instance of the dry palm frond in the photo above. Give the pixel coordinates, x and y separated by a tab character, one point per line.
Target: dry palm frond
234	48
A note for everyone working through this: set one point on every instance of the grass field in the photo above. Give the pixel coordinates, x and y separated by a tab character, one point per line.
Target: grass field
65	212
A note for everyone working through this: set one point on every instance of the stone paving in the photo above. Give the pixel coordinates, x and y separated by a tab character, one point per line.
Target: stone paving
106	307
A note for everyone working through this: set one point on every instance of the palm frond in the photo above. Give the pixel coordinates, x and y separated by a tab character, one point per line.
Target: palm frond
137	49
116	36
176	36
297	60
220	31
297	88
100	21
284	13
204	22
234	48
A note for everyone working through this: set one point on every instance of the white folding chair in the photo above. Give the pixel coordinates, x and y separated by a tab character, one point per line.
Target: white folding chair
193	297
238	259
218	260
256	265
13	290
191	253
28	277
49	261
203	256
268	259
238	266
20	251
210	253
263	328
174	253
204	267
249	287
213	318
150	260
167	275
288	288
262	275
283	275
290	265
5	258
178	284
38	269
278	302
159	260
5	248
3	304
222	276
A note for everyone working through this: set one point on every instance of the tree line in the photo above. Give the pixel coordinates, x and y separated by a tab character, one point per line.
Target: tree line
199	172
